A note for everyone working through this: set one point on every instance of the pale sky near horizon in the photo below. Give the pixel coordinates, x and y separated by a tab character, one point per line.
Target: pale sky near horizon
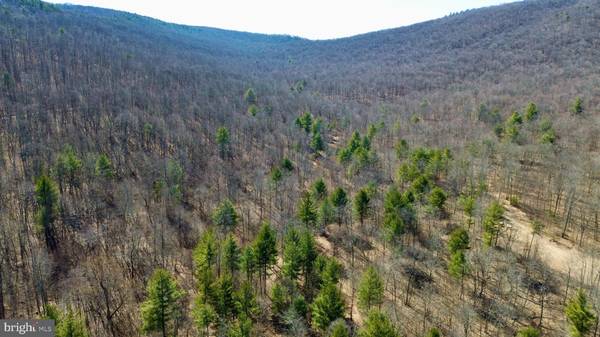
313	19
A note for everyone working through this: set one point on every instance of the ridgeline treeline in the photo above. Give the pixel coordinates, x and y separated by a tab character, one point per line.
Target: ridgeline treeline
440	179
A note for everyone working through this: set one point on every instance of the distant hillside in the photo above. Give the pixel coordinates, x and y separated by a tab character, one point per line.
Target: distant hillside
443	175
516	49
519	49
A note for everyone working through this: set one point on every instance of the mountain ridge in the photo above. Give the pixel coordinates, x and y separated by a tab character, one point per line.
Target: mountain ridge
133	150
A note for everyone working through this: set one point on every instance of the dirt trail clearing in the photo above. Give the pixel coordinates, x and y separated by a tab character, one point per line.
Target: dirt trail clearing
559	254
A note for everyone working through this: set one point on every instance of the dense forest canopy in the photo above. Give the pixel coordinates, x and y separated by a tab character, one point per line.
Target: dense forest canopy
439	179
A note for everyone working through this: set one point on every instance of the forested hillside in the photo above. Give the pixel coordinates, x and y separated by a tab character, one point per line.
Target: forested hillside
440	179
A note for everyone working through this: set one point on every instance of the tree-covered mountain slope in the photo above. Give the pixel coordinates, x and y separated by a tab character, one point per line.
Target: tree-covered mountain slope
435	179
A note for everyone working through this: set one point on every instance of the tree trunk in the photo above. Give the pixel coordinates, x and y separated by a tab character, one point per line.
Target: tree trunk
108	312
163	324
567	287
530	246
568	216
407	297
352	279
2	314
596	227
542	311
557	202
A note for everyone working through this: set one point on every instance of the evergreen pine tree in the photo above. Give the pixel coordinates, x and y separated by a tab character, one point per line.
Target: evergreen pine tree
300	306
370	290
279	301
327	307
317	125
402	149
377	324
529	332
437	199
328	270
252	110
305	121
316	143
68	167
71	325
223	142
339	200
577	107
468	205
276	176
203	315
265	249
515	118
175	179
355	142
225	216
241	328
231	255
248	262
434	332
51	312
458	265
206	251
362	205
104	167
326	213
250	96
459	240
292	258
287	165
306	210
579	315
224	301
492	223
46	196
308	254
393	223
531	112
339	329
246	301
162	305
319	189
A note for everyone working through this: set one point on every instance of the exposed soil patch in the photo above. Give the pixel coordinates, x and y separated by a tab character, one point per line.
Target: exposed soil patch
559	254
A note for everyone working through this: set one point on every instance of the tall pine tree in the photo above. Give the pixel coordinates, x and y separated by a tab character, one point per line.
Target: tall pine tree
579	315
71	325
225	216
339	329
46	196
230	256
370	290
377	324
162	307
307	212
339	200
327	307
265	250
362	205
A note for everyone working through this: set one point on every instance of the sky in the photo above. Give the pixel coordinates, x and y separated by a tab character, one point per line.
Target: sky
313	19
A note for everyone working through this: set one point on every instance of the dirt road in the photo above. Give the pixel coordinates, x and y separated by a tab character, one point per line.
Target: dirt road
559	254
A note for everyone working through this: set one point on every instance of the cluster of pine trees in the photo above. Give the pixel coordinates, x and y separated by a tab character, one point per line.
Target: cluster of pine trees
166	180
